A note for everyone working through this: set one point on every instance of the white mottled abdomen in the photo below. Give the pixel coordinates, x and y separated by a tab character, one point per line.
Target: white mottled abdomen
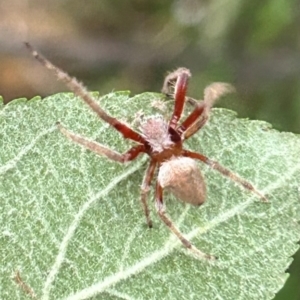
181	176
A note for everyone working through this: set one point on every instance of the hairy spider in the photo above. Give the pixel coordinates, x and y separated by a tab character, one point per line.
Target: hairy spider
163	141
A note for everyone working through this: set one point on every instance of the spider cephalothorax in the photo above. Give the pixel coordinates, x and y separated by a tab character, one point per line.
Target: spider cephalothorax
162	140
155	131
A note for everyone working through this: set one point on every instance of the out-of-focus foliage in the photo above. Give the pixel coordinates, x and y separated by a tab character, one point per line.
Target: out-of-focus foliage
131	44
120	45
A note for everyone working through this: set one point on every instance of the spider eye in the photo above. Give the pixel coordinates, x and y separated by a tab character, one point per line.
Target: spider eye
174	135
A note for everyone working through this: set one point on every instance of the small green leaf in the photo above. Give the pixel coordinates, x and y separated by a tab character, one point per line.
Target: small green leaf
72	223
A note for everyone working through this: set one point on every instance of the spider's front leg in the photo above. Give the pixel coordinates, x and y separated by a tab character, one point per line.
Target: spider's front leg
79	89
100	149
160	208
200	115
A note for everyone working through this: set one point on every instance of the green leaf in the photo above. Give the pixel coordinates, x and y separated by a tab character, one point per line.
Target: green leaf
73	227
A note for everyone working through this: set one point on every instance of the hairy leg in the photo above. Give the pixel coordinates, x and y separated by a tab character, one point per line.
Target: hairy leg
216	166
199	116
162	214
100	149
145	188
170	80
180	76
78	89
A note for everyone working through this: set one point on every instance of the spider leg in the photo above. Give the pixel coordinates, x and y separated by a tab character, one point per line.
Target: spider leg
145	188
216	166
181	75
194	128
201	110
100	149
211	94
162	214
78	89
170	81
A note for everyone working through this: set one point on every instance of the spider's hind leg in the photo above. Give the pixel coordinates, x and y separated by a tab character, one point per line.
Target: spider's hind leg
162	214
226	172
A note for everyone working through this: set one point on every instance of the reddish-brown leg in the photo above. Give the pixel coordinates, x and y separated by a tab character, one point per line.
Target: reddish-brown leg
182	75
199	116
162	214
194	128
194	115
78	89
145	188
100	149
170	80
216	166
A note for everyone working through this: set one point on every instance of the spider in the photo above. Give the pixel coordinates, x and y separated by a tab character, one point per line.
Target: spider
162	140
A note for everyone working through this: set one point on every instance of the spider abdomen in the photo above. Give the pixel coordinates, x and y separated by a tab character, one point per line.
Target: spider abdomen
182	177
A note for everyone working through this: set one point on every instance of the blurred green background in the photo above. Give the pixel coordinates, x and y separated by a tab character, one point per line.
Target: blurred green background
130	45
